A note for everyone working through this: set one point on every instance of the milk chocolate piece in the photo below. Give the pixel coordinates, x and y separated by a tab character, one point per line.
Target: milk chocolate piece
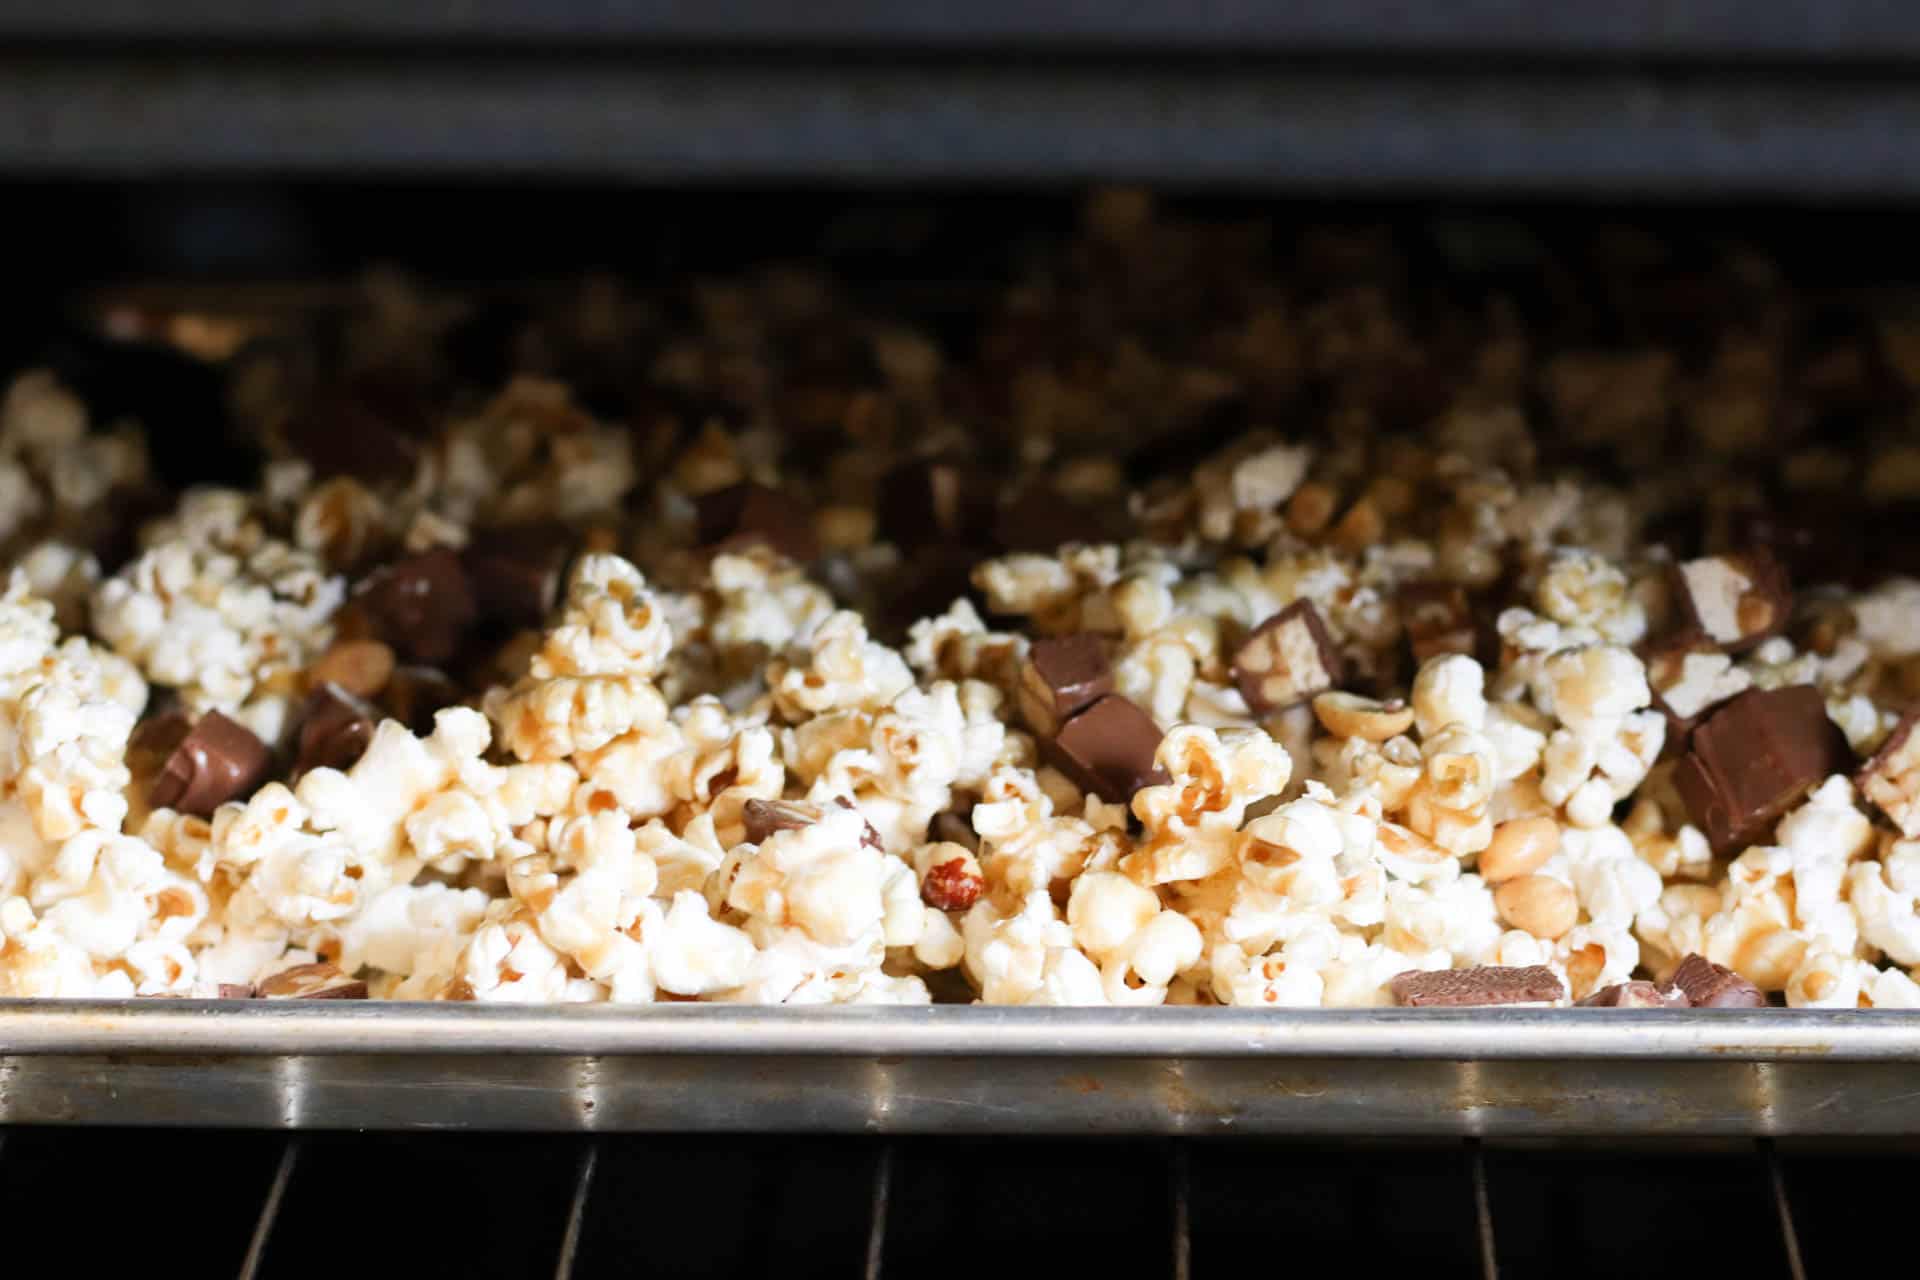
1891	780
764	817
1438	619
1707	985
1107	748
415	693
422	606
744	514
1286	660
1753	759
312	982
1688	678
218	760
933	501
516	570
1638	994
1735	600
1062	675
334	731
1480	985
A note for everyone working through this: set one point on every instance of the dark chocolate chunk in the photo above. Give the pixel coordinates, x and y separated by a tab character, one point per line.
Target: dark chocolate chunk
1062	675
1286	660
217	761
1734	600
1041	519
414	694
1107	748
1753	759
422	606
334	730
516	571
1480	985
363	432
1891	780
934	501
743	514
1438	619
312	982
1683	707
1707	985
1638	994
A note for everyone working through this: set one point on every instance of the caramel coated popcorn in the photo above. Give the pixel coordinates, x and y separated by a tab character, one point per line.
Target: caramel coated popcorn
1212	621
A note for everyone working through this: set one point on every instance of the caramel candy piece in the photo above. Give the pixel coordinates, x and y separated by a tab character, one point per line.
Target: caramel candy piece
422	605
1438	619
312	982
1707	985
1108	748
1638	994
334	731
218	760
516	570
1481	985
1753	759
1892	778
1061	676
1735	600
934	501
743	514
764	817
1286	660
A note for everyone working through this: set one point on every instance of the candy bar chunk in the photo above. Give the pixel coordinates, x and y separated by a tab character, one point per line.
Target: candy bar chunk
744	514
1689	678
1735	600
334	731
1753	759
1040	519
1108	749
1061	676
1638	994
934	501
764	817
1480	985
1707	985
422	605
1438	619
1286	660
312	982
218	760
1891	779
516	570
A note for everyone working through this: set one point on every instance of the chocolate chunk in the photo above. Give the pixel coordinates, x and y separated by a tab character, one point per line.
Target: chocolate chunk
415	694
361	667
1286	660
312	982
1107	748
1753	759
363	432
1438	619
764	817
744	514
1480	985
1891	780
1707	985
516	571
1734	600
1638	994
1041	519
1062	675
953	827
422	606
334	730
933	501
1689	677
218	760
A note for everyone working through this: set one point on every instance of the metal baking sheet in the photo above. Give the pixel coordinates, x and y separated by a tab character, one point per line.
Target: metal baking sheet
1516	1073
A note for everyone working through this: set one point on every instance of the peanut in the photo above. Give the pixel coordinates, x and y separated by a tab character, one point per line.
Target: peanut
361	667
1348	715
1540	905
1520	847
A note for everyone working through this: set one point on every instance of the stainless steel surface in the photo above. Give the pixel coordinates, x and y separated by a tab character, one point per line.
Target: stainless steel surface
961	1070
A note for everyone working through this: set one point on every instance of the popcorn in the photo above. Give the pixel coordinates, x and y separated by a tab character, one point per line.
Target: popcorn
1193	822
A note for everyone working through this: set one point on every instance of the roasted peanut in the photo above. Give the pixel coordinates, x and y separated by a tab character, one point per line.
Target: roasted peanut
1541	905
1520	847
1348	715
